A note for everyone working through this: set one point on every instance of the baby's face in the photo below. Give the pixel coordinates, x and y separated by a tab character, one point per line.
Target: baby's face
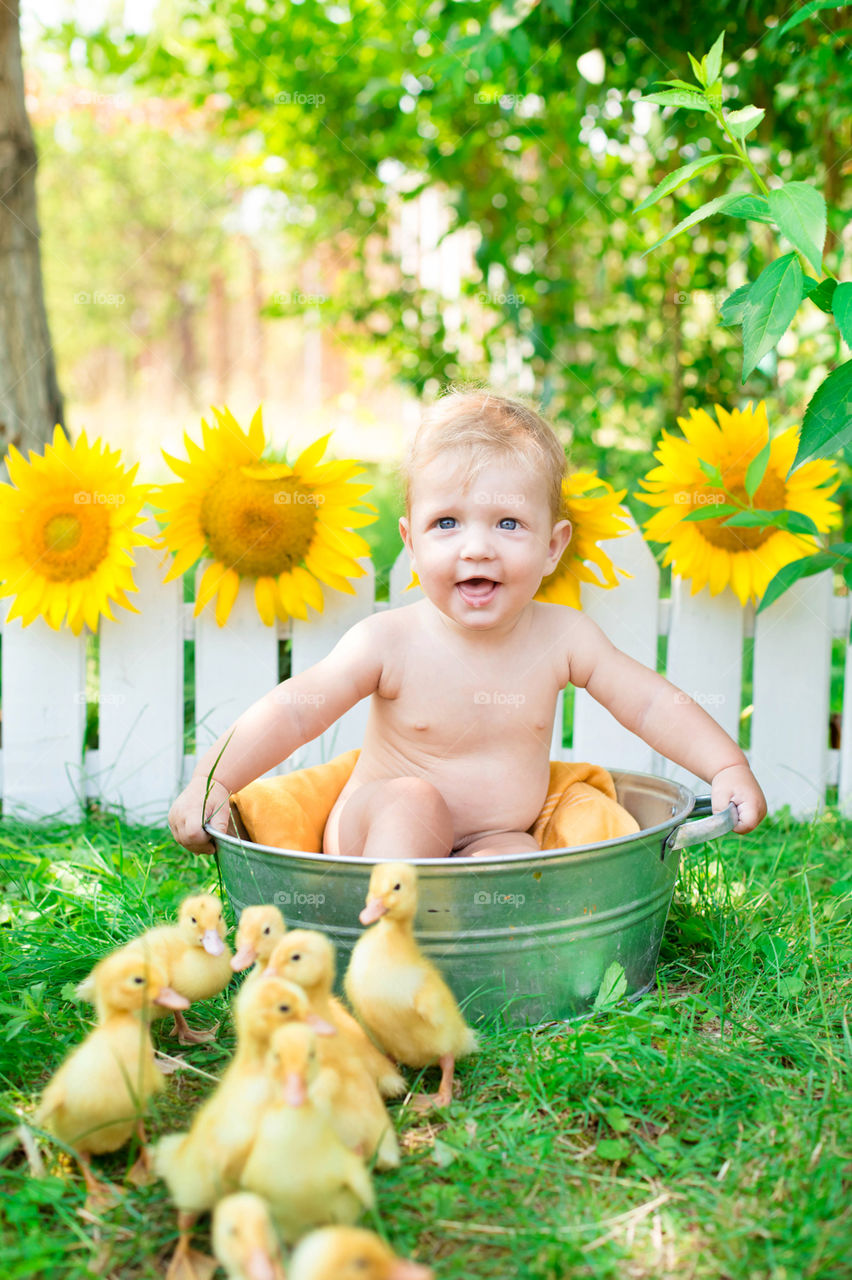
481	551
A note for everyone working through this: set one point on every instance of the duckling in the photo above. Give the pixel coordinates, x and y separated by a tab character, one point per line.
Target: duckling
298	1163
307	957
244	1238
195	957
351	1253
397	992
257	933
95	1100
358	1113
201	1166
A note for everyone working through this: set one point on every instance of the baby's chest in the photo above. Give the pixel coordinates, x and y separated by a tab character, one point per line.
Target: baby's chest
436	700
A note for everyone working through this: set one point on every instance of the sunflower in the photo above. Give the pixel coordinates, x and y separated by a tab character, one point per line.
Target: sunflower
284	528
592	506
709	552
67	533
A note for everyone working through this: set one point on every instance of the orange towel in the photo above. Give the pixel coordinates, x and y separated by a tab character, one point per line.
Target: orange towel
290	812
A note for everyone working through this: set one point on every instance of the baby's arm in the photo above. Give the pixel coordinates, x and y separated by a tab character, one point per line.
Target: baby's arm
666	718
295	712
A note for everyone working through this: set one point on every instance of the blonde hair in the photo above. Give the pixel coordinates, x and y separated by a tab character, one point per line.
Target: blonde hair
486	426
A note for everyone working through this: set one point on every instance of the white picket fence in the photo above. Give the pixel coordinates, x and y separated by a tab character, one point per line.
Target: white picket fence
140	764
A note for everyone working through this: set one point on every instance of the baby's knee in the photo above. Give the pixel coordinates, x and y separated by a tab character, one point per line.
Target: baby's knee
415	794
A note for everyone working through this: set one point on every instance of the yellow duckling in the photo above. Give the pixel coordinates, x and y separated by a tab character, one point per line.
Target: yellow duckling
298	1163
307	957
96	1099
201	1166
397	992
357	1111
244	1238
195	956
351	1253
260	928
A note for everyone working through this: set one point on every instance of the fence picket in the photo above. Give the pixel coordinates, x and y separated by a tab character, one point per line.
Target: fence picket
792	669
44	720
705	660
628	616
844	781
140	732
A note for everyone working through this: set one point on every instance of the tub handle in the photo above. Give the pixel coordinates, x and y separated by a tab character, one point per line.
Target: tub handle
717	824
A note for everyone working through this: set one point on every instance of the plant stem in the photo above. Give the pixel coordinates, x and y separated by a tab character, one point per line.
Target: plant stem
741	151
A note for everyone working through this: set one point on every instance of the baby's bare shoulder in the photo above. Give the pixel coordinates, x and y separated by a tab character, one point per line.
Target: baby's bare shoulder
574	639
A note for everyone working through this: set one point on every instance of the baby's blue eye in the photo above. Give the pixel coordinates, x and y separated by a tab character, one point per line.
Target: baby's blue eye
445	522
509	523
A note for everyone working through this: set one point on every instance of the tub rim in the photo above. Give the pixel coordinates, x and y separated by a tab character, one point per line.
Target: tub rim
682	795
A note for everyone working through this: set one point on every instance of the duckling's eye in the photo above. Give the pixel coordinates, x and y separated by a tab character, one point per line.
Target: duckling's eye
138	981
297	956
397	886
283	1008
193	920
266	931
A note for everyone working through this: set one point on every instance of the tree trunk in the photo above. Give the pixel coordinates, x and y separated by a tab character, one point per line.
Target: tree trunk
30	402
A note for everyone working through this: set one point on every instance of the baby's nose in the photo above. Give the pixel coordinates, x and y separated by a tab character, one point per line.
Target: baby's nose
477	544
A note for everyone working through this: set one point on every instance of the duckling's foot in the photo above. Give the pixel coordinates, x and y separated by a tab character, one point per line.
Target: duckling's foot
422	1102
141	1174
188	1264
186	1035
102	1195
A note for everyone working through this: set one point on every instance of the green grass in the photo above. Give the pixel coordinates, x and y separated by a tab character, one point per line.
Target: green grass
701	1132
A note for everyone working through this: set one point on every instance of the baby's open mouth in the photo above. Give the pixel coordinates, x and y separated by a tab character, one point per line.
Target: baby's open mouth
477	591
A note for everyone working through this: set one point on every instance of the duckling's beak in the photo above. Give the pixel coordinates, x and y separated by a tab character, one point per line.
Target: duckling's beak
295	1090
402	1269
259	1266
212	943
244	957
171	999
320	1026
374	910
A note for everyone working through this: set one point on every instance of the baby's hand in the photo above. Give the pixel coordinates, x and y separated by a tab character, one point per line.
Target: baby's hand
738	783
186	822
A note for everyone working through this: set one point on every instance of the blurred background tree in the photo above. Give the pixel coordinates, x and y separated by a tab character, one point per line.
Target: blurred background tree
436	192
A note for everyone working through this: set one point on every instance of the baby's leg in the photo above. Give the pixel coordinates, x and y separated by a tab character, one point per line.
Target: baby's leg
396	819
502	842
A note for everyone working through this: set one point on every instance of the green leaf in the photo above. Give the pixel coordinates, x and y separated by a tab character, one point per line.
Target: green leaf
740	123
769	308
827	424
713	60
753	208
712	472
732	308
821	292
613	1149
756	470
698	69
616	1119
613	986
794	521
804	568
808	11
694	100
679	84
841	306
721	204
799	212
678	176
712	511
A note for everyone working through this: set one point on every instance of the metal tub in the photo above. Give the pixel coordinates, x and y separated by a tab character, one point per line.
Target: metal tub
529	935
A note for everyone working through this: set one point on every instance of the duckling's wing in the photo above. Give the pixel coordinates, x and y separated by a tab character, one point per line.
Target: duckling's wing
435	1003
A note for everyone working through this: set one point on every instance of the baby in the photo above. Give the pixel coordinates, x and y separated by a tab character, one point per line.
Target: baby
463	684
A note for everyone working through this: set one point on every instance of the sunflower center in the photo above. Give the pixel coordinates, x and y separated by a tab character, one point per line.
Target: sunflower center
770	496
73	544
260	525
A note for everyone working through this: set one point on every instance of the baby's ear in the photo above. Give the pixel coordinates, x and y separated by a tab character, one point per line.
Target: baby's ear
405	534
560	536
